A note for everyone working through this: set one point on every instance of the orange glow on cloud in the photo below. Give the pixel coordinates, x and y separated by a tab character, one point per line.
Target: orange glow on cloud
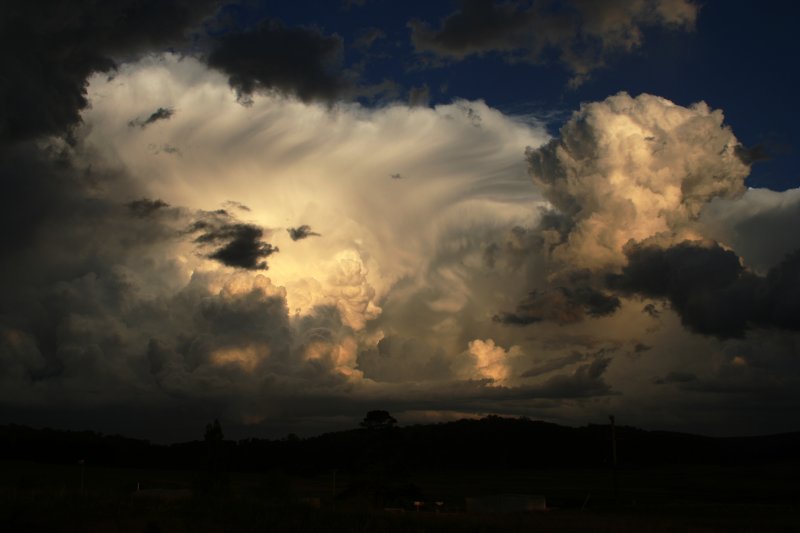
247	357
492	361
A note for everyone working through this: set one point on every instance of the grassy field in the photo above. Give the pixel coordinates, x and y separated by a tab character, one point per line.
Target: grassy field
37	497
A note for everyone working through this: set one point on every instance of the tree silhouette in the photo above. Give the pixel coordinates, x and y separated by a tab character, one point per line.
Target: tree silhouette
213	480
378	420
214	432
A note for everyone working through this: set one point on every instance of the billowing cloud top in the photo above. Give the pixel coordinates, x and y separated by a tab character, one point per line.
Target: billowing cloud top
634	169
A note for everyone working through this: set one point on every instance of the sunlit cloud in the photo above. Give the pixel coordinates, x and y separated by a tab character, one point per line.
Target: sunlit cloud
491	361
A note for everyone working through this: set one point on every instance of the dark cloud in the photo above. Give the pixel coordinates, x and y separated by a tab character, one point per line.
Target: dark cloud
778	302
711	290
47	194
477	27
586	381
241	244
32	185
564	341
71	289
517	247
563	305
250	317
145	207
641	348
237	205
554	229
238	244
581	34
554	364
301	62
301	232
676	377
51	48
752	154
490	254
162	113
398	359
706	285
652	310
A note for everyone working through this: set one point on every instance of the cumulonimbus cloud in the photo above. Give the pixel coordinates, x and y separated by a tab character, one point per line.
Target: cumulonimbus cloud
106	291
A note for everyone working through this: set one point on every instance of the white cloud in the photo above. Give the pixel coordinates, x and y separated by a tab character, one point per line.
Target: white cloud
294	163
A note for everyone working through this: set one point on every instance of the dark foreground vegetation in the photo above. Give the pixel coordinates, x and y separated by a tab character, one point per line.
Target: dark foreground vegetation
386	478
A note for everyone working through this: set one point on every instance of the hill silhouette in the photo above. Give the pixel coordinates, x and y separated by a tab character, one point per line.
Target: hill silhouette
488	443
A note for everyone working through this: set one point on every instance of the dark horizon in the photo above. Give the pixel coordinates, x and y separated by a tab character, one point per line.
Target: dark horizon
503	474
234	432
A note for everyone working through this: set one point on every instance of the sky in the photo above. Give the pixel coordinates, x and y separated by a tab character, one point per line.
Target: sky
283	215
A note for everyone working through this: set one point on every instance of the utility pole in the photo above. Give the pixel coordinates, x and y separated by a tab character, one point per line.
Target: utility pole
334	489
82	462
614	455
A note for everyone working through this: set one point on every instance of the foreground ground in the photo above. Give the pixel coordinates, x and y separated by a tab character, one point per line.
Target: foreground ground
37	497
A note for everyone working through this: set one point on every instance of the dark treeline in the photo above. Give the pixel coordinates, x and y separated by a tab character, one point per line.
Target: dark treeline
492	442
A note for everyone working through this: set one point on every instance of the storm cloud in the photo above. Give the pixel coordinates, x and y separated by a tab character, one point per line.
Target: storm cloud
711	290
145	206
53	47
301	62
562	305
238	245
